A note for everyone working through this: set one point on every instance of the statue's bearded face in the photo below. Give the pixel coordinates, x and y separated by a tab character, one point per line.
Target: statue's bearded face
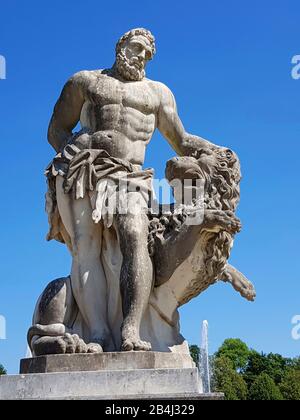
133	57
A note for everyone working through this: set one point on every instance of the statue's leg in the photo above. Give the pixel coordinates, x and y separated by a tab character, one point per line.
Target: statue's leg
54	316
87	276
136	277
239	282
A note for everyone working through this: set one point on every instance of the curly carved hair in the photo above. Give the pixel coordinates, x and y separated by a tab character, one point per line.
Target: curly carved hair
136	32
223	178
222	192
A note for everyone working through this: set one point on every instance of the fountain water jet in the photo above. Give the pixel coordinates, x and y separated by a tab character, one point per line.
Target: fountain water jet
204	359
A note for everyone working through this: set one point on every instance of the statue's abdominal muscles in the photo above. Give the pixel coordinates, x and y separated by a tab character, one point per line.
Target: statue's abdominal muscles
115	123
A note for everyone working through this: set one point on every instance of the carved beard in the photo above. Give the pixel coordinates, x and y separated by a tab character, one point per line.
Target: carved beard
129	69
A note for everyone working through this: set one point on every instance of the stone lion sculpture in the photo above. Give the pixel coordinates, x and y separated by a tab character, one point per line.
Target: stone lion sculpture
187	259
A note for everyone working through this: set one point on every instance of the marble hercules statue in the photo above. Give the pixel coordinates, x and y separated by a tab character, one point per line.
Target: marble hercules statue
125	265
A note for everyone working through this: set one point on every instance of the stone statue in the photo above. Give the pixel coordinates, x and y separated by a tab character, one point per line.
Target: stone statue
131	269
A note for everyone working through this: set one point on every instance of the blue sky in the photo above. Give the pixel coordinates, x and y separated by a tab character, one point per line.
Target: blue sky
229	66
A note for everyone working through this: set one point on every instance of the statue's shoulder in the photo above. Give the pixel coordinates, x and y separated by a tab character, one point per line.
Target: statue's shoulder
85	77
159	86
162	90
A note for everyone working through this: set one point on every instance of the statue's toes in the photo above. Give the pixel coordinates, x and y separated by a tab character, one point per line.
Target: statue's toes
135	345
252	295
142	346
76	340
249	293
70	343
94	348
127	345
80	346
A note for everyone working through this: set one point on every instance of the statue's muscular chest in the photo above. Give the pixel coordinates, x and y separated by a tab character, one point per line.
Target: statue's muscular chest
108	91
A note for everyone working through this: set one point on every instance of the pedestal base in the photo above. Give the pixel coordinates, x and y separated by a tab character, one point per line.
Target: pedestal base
106	376
108	384
106	361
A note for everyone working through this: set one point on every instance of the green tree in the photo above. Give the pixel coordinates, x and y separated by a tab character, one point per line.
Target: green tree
290	386
256	365
295	363
274	365
194	351
264	389
2	370
227	380
235	350
277	367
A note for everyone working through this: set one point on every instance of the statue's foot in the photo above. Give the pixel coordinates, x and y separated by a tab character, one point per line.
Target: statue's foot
135	344
49	345
77	345
65	344
240	283
246	289
249	294
94	348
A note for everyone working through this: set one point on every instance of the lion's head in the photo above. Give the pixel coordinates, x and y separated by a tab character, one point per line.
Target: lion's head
218	167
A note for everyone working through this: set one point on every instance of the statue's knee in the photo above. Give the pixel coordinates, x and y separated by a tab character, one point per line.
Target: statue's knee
133	228
54	303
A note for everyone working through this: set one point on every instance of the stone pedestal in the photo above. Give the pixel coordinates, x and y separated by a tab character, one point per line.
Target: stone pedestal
106	376
108	384
106	361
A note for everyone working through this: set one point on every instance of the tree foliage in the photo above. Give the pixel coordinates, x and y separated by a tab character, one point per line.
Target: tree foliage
235	350
264	389
241	373
274	365
2	370
290	386
194	351
227	380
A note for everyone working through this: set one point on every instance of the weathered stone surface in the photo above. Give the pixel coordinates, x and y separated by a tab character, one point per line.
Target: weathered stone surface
106	361
116	384
132	268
